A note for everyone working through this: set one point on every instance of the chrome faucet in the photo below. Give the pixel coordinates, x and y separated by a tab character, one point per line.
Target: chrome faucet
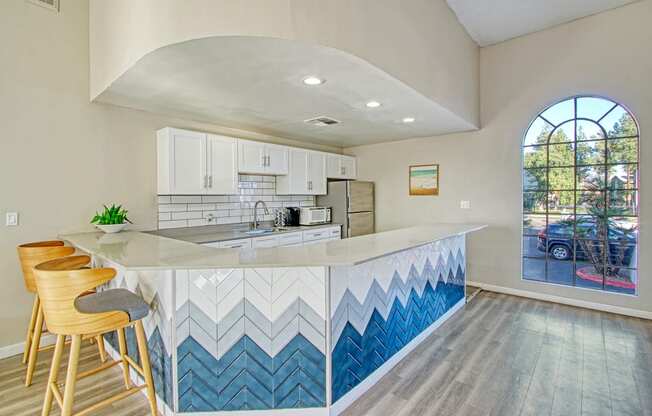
256	212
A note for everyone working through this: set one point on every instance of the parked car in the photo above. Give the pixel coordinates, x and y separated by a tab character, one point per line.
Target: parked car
558	238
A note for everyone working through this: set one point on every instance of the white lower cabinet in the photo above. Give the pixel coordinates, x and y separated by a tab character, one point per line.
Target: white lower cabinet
290	239
241	243
266	242
283	240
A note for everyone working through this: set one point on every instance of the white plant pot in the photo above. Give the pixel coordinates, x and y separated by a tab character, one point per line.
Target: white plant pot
111	228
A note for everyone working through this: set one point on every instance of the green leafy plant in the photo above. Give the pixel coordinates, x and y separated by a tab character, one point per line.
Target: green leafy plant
113	215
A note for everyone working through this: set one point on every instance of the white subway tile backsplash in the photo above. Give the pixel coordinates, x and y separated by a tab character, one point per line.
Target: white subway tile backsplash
194	210
172	224
215	198
188	199
188	215
200	207
172	207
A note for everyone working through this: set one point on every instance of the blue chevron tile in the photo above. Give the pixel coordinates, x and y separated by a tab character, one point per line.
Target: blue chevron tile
355	356
246	378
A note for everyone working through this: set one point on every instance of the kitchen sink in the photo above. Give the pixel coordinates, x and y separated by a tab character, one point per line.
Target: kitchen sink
260	231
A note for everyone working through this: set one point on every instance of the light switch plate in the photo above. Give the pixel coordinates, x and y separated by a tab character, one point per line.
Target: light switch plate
12	219
465	204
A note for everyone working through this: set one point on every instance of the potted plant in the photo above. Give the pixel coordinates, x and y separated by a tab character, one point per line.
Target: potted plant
111	220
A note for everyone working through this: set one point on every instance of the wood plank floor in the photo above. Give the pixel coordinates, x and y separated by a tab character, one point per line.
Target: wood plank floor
501	355
504	355
18	400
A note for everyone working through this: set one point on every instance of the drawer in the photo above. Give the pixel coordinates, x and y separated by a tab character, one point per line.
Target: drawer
290	239
315	235
334	233
242	243
264	242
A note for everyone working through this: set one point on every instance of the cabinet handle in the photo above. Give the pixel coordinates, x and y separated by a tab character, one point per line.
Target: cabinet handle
205	181
269	162
264	160
210	181
342	170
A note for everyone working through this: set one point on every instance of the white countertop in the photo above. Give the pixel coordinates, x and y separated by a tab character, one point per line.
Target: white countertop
141	251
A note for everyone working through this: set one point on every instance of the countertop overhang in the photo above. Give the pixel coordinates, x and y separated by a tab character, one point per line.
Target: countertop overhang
134	250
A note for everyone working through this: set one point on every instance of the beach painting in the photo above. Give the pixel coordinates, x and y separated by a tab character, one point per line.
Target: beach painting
424	180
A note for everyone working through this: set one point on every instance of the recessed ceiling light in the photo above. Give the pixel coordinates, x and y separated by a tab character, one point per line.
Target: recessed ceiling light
408	120
373	104
312	80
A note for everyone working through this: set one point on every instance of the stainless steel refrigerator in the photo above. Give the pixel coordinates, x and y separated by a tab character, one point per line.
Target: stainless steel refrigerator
353	206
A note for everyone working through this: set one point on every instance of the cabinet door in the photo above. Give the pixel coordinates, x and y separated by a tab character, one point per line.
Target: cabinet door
222	165
251	157
187	162
265	242
333	166
290	239
277	160
316	173
348	167
298	174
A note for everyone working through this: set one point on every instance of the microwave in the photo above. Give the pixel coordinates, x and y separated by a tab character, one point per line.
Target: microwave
314	215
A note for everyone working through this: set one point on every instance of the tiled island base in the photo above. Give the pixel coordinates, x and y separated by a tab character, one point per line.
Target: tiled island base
290	341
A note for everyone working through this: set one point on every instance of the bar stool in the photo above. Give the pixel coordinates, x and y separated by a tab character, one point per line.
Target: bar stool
30	255
61	286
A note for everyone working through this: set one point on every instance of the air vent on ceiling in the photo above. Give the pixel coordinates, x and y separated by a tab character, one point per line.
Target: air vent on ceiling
48	4
322	121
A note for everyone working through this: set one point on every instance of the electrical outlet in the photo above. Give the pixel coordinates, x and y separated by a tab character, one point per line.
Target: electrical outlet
12	219
465	204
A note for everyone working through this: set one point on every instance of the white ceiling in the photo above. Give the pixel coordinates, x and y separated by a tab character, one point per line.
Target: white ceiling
256	84
493	21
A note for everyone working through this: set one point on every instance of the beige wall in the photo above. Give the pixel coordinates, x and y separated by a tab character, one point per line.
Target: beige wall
419	42
63	157
607	54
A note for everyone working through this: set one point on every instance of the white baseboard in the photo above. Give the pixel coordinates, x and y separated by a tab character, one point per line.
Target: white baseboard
350	397
636	313
16	349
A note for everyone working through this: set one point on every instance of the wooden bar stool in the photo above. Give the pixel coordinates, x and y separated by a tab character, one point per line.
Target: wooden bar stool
61	285
30	255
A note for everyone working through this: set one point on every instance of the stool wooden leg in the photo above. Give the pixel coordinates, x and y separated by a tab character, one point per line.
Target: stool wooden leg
100	347
147	368
71	376
30	329
122	344
36	342
54	374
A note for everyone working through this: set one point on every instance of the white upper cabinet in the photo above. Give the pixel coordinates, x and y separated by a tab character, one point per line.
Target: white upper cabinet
317	173
193	163
306	175
261	158
222	165
340	166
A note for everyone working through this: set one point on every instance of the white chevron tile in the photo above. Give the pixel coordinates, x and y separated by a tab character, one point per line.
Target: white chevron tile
203	300
229	300
312	334
183	331
203	338
230	337
261	282
261	303
258	336
231	318
285	336
230	281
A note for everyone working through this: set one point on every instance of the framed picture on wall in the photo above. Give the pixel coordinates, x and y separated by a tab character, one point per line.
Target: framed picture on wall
424	180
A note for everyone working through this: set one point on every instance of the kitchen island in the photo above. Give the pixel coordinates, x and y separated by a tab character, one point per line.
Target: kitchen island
290	330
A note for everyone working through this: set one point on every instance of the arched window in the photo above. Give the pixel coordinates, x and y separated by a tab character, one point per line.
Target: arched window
580	196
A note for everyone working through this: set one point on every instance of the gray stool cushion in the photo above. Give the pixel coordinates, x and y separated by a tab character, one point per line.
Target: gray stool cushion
114	300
